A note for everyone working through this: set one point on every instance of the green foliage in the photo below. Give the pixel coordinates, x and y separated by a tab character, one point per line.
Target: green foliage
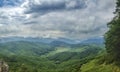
37	57
24	48
118	7
113	37
98	64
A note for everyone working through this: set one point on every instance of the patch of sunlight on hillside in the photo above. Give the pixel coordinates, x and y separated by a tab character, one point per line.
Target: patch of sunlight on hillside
64	49
57	50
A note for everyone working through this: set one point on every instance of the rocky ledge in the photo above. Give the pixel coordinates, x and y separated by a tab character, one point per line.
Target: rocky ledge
4	66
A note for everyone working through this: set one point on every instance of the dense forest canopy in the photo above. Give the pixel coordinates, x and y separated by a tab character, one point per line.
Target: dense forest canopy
113	36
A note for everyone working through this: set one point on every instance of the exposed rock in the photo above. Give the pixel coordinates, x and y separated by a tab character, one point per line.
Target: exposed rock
4	66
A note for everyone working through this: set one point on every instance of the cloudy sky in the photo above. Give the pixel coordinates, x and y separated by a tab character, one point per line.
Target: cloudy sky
75	19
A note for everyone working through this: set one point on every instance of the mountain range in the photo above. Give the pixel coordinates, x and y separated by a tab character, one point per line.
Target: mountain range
47	54
96	40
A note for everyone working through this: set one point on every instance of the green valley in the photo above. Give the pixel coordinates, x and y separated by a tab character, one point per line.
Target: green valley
23	56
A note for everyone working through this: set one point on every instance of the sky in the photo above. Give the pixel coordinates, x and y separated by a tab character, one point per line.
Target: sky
74	19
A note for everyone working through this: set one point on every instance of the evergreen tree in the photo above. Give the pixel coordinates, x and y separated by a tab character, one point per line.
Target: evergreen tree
113	36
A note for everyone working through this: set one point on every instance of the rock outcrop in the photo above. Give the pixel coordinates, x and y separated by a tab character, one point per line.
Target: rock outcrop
4	66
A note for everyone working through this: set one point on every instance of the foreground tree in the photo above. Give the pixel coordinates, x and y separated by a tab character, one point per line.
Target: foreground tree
113	36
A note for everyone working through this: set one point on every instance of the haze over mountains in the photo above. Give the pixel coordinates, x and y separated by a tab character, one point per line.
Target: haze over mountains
96	40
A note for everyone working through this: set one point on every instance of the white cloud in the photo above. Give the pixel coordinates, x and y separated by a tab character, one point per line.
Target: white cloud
78	23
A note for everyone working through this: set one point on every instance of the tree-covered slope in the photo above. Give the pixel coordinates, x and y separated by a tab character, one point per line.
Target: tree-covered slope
112	37
24	56
93	66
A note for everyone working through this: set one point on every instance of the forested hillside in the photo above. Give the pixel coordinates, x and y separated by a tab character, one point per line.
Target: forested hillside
25	56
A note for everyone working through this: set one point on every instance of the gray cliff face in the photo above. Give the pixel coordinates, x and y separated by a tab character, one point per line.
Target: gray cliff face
4	66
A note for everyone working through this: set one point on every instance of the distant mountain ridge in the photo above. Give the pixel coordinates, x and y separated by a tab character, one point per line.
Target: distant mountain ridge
97	40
